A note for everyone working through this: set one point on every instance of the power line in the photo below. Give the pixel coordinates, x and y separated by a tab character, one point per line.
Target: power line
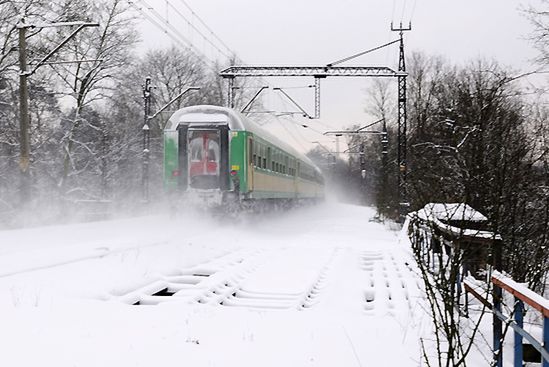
284	102
173	29
262	80
163	29
413	11
403	11
206	26
198	30
173	33
301	138
164	25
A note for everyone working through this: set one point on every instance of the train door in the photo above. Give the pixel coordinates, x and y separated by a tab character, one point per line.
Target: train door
250	167
204	157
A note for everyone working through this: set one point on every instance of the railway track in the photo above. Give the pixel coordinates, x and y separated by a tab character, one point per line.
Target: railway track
303	282
288	278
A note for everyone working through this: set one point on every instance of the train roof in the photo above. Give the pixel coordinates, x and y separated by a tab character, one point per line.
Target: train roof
236	121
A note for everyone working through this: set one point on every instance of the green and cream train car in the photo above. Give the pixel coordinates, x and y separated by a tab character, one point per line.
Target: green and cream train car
216	156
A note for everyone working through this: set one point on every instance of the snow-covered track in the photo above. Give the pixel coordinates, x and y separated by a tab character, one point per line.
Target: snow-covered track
315	286
244	279
44	260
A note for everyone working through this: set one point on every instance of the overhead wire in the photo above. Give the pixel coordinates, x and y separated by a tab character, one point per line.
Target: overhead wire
173	33
167	28
206	39
216	37
413	11
403	11
283	101
301	137
206	26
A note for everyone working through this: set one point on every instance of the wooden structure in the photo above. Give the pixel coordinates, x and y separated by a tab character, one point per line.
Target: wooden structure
455	228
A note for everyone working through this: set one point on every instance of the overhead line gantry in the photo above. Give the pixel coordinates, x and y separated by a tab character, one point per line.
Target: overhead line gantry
317	72
330	69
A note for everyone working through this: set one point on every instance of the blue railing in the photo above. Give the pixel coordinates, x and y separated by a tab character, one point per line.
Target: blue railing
522	296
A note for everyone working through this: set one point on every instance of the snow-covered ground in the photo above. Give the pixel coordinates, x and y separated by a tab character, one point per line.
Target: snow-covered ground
319	286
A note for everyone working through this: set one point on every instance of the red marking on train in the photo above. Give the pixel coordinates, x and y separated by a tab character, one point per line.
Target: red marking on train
207	165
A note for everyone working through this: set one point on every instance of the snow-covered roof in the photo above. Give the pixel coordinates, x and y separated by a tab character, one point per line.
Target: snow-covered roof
441	213
235	120
453	212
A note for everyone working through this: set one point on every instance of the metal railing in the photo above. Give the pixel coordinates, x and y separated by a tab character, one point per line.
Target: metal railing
515	319
522	296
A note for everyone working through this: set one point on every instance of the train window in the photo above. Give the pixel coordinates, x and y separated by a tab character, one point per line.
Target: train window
264	162
254	160
213	150
195	147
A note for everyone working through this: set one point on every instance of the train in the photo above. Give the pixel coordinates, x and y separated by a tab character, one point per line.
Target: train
217	157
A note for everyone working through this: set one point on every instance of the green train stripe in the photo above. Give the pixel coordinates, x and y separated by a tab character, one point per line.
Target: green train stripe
171	159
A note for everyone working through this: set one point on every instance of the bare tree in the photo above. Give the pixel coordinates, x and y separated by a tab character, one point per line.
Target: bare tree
106	51
539	17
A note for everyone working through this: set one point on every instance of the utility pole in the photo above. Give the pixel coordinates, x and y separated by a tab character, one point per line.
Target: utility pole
104	165
24	73
24	160
146	138
402	121
230	92
362	170
362	151
147	88
382	204
337	145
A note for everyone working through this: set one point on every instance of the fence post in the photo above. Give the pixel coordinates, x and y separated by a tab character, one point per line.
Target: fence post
497	327
519	310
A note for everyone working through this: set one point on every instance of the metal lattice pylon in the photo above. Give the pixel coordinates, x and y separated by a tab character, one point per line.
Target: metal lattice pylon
402	122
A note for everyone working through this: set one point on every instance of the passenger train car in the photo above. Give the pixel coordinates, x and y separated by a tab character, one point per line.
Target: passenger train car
216	156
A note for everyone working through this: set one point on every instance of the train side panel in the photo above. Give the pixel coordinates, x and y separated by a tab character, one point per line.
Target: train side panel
238	161
271	185
171	160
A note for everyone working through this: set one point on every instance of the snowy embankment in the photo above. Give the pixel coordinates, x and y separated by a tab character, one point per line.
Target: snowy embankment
319	286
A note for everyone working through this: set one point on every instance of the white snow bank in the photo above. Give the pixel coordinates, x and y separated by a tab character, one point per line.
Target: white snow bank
318	286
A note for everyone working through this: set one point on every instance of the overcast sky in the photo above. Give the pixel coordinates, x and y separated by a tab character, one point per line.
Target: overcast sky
316	32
